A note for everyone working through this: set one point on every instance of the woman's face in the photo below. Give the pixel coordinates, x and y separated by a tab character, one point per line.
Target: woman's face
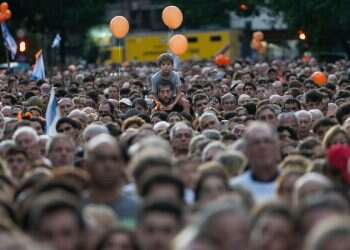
339	138
273	232
212	188
119	241
286	189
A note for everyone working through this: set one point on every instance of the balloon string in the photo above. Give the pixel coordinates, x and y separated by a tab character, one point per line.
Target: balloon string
170	34
119	56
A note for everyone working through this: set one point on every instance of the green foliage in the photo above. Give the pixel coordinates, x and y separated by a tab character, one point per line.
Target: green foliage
46	16
201	13
326	22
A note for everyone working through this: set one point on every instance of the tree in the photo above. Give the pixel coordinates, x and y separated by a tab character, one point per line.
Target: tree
204	13
69	18
325	22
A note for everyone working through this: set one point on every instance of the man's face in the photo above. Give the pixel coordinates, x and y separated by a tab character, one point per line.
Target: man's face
208	90
290	121
6	101
321	131
18	165
136	88
210	122
62	154
165	94
262	149
37	126
268	116
304	123
105	166
25	141
166	67
61	230
65	106
113	93
228	104
246	78
157	230
314	105
182	138
104	109
291	107
239	89
141	109
67	129
261	93
201	105
249	90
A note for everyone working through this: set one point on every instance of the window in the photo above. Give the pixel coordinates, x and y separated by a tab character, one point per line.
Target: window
215	38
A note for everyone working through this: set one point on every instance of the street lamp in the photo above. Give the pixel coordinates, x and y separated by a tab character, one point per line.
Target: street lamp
302	35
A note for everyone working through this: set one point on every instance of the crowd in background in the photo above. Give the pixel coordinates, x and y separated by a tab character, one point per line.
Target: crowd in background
192	156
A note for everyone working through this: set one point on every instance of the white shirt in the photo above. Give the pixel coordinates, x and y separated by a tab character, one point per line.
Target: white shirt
262	191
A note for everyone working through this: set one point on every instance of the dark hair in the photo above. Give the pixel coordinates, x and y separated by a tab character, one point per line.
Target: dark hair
103	240
323	122
165	57
198	97
291	131
68	120
141	102
165	83
313	96
137	83
249	84
331	86
89	78
110	105
162	179
165	207
162	115
342	112
12	98
113	129
15	150
292	101
273	208
342	94
214	172
41	121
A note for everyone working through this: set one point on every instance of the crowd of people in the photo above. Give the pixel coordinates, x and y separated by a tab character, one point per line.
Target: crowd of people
249	156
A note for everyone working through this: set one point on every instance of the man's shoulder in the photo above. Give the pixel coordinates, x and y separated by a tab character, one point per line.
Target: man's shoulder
243	178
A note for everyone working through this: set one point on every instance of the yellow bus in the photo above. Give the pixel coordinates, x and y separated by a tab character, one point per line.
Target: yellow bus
147	47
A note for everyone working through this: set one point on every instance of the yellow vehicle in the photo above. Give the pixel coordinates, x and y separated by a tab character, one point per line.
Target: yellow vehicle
147	47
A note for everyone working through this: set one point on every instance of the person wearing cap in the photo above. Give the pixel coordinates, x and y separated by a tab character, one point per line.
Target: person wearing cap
124	105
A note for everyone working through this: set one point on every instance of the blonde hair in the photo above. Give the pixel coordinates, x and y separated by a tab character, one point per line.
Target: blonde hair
331	133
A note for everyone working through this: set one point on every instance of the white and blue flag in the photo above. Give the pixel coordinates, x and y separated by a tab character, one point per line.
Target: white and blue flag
9	42
52	114
56	41
39	67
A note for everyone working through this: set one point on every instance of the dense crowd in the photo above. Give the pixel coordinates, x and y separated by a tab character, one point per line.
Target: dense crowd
249	156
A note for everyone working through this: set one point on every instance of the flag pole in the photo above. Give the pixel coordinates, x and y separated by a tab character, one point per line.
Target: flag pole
7	60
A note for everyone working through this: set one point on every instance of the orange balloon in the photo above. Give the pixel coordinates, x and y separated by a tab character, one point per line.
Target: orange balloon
319	78
172	17
4	6
222	60
178	44
258	35
119	26
8	14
